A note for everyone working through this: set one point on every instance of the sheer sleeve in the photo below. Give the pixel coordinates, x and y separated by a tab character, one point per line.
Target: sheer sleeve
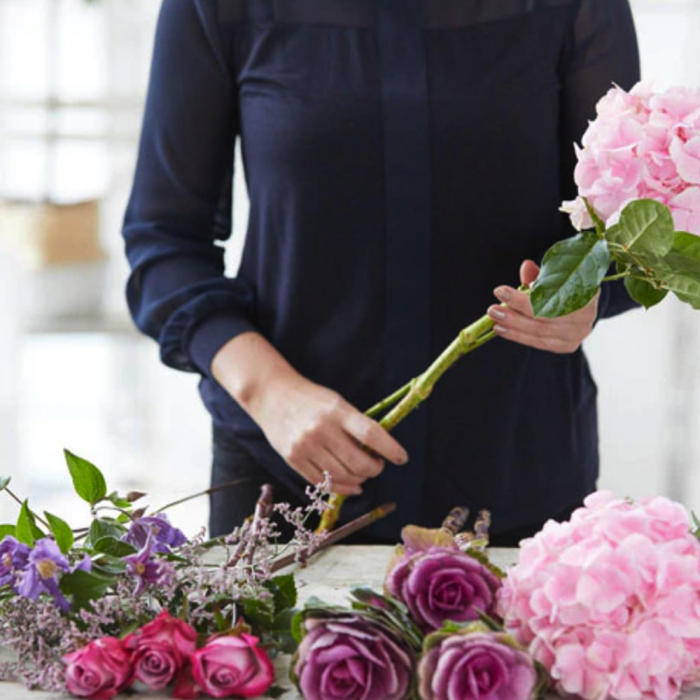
180	205
602	50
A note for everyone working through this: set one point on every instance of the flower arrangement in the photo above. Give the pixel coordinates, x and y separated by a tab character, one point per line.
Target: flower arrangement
130	599
430	636
638	178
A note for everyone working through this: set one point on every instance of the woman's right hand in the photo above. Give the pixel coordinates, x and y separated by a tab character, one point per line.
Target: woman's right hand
313	428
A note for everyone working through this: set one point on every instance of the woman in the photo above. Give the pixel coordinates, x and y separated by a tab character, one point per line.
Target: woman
402	157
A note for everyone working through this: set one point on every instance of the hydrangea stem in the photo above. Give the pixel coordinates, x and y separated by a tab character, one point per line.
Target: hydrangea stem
409	397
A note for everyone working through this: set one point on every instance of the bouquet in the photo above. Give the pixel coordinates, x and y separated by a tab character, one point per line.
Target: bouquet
131	600
638	177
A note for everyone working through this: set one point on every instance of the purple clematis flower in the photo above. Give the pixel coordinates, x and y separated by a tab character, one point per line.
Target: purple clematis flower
143	567
13	558
41	573
165	536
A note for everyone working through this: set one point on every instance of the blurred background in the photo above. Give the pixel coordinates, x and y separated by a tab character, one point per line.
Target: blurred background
73	371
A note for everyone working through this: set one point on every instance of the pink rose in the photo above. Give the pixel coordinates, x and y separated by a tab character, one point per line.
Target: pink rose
229	666
100	670
161	649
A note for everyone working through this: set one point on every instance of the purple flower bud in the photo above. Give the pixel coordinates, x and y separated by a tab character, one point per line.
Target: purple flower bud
165	536
40	575
351	657
443	584
476	666
13	557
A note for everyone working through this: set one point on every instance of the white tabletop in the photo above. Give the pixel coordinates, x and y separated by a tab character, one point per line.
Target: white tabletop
328	577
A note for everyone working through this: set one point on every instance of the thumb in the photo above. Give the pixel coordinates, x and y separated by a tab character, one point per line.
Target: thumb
529	272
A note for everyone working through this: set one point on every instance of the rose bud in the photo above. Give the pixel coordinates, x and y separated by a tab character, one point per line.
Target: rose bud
161	649
100	670
473	666
352	657
232	665
443	584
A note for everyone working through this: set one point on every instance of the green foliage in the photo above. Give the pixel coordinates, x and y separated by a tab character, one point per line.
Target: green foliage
88	481
6	530
104	527
644	292
284	592
113	546
4	482
27	530
681	272
645	228
84	586
598	223
571	275
61	532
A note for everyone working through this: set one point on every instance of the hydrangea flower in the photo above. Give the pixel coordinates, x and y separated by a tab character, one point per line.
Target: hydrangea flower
642	145
610	601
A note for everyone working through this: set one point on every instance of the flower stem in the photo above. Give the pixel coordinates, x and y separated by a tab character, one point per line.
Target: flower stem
340	534
207	492
379	408
18	500
418	390
618	276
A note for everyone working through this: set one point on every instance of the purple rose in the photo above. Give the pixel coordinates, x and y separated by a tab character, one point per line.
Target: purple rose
443	584
13	558
348	657
476	666
164	536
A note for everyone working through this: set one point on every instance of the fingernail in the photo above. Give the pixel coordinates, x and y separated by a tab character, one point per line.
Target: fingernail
500	329
403	459
497	314
502	293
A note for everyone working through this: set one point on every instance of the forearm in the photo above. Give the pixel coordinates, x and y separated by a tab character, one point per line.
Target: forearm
248	367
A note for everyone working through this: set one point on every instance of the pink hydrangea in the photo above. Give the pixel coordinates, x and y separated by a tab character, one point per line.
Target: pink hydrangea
609	602
642	145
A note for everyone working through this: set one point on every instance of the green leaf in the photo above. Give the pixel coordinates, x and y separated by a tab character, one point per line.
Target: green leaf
646	227
275	692
27	530
297	626
571	274
85	586
597	221
113	546
644	293
119	501
88	481
681	274
104	527
258	613
4	482
108	565
284	592
6	530
61	531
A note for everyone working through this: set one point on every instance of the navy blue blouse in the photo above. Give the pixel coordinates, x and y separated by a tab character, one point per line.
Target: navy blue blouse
402	158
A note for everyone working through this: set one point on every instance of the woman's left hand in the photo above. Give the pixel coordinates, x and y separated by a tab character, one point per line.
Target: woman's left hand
516	321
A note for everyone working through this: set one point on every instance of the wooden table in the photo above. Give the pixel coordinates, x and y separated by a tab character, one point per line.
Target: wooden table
329	577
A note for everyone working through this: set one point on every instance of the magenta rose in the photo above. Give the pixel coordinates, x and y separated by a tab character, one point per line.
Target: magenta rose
443	584
474	667
100	670
348	657
231	665
161	649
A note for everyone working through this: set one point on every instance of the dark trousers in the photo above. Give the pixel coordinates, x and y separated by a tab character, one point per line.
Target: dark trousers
230	507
